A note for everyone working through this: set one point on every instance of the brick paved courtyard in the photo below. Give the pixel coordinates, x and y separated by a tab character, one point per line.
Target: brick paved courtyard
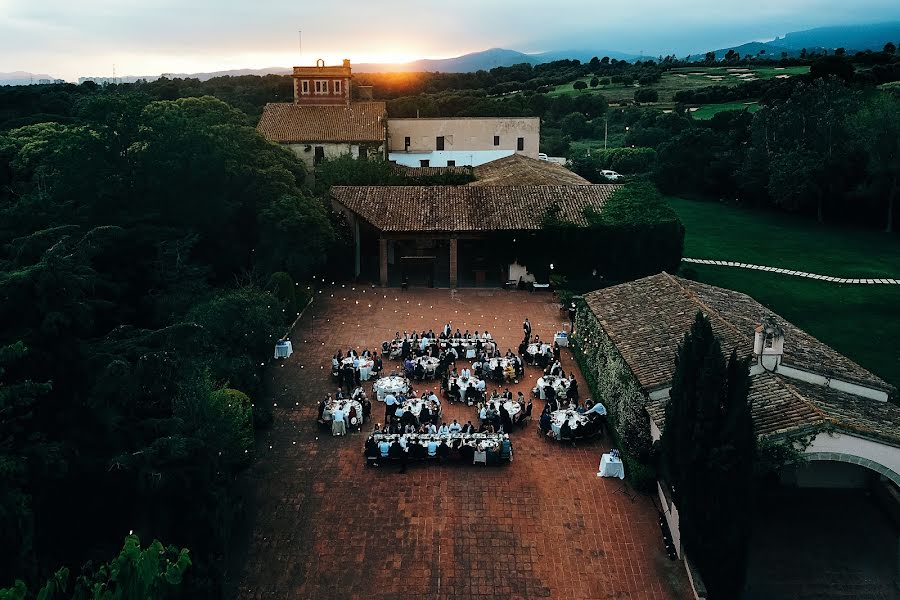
325	526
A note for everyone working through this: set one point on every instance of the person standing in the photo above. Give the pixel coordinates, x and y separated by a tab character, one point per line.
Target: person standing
526	327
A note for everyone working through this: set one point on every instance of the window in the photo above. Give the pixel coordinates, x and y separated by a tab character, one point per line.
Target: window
439	142
363	152
319	155
520	144
321	87
496	140
451	163
304	87
337	87
406	143
424	163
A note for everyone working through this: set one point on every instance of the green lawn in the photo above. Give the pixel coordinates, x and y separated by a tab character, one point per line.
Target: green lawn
682	79
775	239
861	321
708	111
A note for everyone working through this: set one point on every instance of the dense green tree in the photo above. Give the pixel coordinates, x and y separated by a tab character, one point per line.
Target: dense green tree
876	127
580	85
574	125
595	82
709	446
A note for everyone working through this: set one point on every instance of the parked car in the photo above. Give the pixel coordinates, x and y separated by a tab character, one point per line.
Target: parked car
612	175
542	156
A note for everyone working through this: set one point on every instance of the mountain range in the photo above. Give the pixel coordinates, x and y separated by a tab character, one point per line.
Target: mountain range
851	37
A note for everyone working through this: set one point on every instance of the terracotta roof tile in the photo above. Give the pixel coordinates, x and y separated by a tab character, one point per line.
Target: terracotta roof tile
413	172
464	208
518	169
292	123
782	406
647	318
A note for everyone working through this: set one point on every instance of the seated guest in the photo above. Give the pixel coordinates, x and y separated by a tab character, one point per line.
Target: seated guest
322	406
443	429
425	414
565	431
482	412
377	364
417	451
384	447
546	421
572	391
419	372
371	449
432	448
443	450
455	427
465	374
430	428
468	427
399	411
396	449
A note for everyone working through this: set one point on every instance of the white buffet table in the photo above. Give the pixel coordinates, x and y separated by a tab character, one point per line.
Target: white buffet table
611	467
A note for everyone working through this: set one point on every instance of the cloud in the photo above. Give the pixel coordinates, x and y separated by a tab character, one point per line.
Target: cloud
152	36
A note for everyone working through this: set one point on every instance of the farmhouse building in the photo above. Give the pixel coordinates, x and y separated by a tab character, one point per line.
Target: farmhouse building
801	389
463	141
323	122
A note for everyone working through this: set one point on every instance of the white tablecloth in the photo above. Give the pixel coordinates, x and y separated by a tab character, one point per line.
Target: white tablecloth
611	467
557	383
429	363
464	386
332	406
511	406
415	406
283	349
558	417
365	366
393	384
561	338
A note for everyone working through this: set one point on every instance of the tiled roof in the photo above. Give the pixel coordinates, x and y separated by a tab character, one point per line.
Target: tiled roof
647	318
518	169
781	406
292	123
413	172
464	208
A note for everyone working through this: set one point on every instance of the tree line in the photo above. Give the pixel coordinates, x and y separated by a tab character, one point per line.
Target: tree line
150	256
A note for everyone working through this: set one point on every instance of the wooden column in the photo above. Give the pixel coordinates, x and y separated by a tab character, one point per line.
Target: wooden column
453	262
383	256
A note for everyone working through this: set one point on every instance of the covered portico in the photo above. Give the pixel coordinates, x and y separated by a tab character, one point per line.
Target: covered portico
440	235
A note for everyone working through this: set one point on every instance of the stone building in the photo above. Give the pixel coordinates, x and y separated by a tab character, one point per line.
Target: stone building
802	391
323	122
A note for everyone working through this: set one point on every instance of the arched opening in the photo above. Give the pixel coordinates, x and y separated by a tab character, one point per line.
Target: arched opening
826	527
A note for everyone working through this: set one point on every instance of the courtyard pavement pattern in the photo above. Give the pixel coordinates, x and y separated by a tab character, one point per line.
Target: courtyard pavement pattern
326	526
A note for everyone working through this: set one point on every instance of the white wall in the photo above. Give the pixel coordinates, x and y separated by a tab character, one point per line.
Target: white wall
839	446
463	158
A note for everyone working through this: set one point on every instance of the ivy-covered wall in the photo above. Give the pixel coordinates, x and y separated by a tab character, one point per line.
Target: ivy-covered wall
611	379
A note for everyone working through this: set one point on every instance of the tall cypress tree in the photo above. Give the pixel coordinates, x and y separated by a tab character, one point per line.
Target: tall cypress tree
709	447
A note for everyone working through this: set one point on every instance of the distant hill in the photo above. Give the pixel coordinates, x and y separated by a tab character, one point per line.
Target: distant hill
23	78
487	60
853	38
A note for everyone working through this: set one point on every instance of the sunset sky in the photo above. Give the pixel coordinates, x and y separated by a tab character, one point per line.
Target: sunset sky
141	37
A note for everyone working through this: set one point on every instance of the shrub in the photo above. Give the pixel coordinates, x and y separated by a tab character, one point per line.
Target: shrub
627	161
232	411
646	95
579	85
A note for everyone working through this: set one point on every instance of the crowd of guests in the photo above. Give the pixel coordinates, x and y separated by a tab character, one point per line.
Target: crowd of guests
348	374
397	410
340	410
592	423
494	416
382	447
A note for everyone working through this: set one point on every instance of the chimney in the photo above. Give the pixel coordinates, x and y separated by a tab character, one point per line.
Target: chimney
364	92
768	343
346	63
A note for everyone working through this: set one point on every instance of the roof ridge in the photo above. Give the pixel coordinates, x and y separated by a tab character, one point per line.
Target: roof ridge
691	295
835	421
